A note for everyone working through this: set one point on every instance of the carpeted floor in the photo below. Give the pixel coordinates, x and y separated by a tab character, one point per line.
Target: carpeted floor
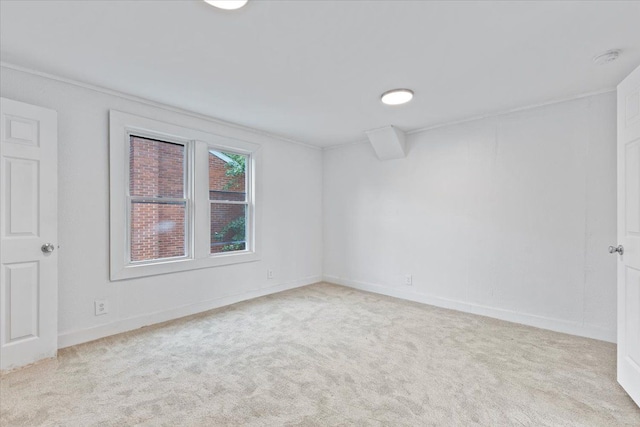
325	355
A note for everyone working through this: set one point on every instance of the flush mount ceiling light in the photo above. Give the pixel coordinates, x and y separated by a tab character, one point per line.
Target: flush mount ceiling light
227	4
397	96
606	57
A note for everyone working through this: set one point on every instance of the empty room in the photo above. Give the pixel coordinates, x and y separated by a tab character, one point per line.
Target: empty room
319	213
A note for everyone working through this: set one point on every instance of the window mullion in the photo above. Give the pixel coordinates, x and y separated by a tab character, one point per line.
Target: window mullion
201	209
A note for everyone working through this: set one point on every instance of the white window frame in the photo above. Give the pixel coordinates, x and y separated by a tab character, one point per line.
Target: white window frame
249	240
187	195
198	212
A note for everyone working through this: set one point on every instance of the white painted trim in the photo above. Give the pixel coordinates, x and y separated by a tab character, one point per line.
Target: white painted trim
345	144
557	325
511	111
96	88
151	103
481	117
68	339
197	145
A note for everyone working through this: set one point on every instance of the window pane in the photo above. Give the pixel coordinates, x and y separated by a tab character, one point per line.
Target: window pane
227	179
157	230
228	227
156	168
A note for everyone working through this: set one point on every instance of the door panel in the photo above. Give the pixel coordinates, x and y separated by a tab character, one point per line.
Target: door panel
28	219
632	180
22	297
629	234
22	197
21	130
632	284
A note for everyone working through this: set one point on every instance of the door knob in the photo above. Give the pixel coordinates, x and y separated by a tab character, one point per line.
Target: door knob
619	249
47	248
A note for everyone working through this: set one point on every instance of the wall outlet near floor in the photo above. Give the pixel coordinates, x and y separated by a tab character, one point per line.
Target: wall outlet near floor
408	280
269	274
101	306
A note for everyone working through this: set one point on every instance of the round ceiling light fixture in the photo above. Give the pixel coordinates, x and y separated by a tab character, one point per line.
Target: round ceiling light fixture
227	4
397	96
606	57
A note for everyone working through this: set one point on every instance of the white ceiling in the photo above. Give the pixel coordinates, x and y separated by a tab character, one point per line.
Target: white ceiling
314	70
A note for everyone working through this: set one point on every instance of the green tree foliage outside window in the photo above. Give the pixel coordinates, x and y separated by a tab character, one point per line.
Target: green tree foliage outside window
235	230
235	169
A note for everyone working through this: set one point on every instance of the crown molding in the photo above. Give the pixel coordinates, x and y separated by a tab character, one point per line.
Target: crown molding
511	110
345	144
482	116
281	138
155	104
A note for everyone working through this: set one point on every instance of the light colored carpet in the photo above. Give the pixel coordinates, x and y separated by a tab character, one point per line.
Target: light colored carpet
325	355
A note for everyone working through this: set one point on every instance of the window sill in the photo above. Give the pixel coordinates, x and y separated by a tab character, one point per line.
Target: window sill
177	265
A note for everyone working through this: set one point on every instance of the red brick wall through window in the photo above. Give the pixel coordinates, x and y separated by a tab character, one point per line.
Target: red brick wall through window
156	171
158	228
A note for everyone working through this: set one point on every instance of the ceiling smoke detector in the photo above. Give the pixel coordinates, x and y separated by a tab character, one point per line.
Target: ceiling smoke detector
606	57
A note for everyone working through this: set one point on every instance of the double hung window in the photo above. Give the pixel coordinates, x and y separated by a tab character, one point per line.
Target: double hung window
180	198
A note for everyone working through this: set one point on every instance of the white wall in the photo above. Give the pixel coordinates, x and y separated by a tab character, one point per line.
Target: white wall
508	216
292	217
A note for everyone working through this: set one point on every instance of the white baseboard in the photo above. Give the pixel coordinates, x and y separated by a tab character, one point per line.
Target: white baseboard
67	339
557	325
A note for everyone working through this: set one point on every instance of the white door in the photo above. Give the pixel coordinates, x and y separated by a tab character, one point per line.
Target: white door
629	235
28	222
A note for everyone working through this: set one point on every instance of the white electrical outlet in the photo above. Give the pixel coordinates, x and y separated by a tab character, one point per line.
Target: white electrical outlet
101	307
408	280
269	274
